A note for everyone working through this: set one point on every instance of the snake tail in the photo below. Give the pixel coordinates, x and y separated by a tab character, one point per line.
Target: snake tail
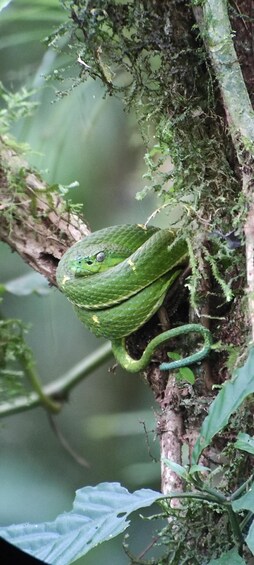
136	365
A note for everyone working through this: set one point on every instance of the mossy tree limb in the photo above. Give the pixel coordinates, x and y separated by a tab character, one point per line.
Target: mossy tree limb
218	36
35	220
37	223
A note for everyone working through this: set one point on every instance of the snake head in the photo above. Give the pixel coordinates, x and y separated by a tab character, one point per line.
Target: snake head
86	265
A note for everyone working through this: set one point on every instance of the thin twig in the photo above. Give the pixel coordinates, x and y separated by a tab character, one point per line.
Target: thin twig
143	553
28	367
65	444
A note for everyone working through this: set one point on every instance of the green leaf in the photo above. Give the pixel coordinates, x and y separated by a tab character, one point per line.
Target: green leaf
178	469
250	539
198	469
231	557
173	355
230	397
245	443
245	502
186	374
99	513
26	284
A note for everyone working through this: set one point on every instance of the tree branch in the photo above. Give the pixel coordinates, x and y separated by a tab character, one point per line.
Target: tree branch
217	33
170	431
215	26
60	388
40	226
36	222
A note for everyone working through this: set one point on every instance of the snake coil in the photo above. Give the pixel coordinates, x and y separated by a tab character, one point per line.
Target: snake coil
117	278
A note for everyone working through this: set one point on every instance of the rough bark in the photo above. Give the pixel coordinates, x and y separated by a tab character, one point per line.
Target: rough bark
34	220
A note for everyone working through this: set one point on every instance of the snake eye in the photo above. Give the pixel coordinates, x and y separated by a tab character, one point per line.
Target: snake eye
100	256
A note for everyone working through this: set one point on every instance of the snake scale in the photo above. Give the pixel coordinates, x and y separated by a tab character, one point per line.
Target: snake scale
118	277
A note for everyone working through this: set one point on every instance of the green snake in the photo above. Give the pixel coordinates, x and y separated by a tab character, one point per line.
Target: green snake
118	277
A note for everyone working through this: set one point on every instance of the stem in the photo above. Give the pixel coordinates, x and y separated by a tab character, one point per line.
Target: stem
235	526
242	488
62	386
246	520
193	495
219	497
31	374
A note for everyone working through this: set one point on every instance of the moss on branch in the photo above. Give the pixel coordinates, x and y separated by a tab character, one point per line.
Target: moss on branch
36	221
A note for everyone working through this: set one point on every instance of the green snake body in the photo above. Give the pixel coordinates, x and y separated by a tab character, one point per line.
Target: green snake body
117	278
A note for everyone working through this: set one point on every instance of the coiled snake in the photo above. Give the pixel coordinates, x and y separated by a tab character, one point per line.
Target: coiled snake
117	278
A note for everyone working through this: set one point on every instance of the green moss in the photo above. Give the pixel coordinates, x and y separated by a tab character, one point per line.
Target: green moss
12	347
149	54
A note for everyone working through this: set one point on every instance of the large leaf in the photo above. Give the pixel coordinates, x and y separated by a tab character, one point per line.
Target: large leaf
99	513
250	539
231	557
245	442
245	502
26	284
230	397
